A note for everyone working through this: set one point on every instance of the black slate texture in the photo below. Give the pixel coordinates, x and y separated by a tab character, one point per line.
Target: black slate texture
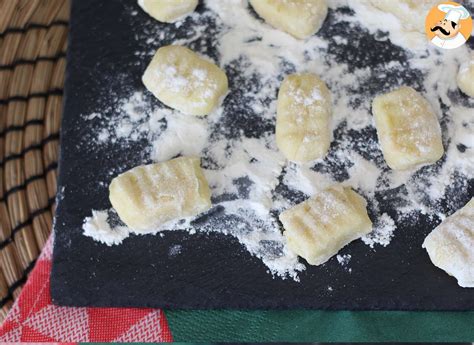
212	270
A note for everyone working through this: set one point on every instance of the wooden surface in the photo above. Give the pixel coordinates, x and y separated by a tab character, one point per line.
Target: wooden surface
33	39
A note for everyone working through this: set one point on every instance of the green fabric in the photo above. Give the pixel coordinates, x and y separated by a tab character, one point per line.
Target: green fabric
322	326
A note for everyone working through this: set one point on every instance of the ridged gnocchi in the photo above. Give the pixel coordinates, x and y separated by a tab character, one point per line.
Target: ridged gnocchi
407	128
168	11
303	118
149	195
299	18
183	80
451	245
319	227
465	77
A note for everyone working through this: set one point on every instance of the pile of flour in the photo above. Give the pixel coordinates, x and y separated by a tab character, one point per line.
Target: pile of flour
251	181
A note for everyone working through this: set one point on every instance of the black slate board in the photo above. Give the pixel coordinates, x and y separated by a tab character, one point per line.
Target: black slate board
213	270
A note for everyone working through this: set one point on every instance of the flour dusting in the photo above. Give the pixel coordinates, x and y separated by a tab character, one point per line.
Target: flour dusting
99	229
344	261
384	228
251	182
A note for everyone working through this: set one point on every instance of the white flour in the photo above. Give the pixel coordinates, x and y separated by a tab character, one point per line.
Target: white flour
99	229
344	261
175	250
382	233
247	174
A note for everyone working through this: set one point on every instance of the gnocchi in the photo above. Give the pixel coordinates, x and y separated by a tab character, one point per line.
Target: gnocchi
299	18
407	128
319	227
184	81
168	11
451	245
149	195
303	118
465	77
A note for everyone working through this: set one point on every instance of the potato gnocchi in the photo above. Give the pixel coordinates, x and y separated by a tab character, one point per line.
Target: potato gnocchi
451	245
465	77
303	118
183	80
299	18
168	11
147	196
319	227
407	128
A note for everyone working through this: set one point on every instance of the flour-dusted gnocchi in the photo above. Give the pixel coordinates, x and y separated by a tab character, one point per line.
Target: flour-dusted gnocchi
183	80
451	245
168	11
466	77
299	18
150	195
319	227
303	118
407	128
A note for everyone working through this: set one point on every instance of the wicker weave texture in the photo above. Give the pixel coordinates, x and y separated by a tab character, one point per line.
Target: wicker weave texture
33	39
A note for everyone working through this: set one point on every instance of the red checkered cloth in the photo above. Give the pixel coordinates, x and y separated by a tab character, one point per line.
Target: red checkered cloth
33	317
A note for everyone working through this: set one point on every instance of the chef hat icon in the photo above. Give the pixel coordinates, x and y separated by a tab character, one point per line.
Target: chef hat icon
454	13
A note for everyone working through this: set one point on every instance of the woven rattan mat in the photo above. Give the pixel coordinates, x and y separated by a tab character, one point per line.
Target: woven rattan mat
33	38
